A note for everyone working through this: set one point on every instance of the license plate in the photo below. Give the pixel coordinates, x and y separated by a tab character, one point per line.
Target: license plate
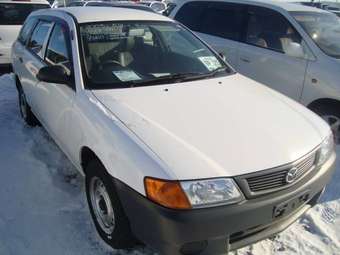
290	205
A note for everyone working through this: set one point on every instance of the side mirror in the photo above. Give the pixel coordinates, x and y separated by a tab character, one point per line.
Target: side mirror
53	74
222	56
294	49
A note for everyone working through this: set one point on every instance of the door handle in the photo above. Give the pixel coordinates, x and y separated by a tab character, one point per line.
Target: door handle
245	60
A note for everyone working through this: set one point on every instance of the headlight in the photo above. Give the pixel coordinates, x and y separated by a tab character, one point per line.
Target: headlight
192	194
326	149
203	193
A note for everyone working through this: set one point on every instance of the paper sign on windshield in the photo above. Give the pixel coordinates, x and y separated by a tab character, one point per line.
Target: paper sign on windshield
126	75
98	33
210	62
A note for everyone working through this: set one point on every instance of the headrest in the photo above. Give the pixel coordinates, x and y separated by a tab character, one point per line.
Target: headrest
137	32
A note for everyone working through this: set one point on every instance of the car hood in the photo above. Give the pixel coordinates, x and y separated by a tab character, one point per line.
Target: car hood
218	127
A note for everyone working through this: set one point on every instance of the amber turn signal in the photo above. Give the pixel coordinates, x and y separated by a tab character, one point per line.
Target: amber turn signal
166	193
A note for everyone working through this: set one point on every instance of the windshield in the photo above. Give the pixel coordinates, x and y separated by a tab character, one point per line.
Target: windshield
15	14
124	54
323	28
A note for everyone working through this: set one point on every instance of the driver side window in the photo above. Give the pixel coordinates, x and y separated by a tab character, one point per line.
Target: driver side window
57	51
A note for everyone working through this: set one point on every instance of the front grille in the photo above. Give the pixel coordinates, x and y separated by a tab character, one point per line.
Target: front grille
277	179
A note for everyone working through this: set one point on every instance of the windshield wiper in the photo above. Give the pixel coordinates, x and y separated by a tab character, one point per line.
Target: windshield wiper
206	75
177	77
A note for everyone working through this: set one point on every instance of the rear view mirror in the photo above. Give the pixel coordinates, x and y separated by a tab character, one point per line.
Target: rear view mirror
53	74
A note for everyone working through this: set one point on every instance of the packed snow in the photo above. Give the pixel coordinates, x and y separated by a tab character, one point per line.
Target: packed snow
44	211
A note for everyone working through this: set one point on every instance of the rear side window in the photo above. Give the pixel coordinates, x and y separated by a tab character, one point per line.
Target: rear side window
16	14
269	29
38	37
57	50
223	20
26	30
190	14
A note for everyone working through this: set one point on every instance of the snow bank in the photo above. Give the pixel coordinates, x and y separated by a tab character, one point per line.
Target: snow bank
43	208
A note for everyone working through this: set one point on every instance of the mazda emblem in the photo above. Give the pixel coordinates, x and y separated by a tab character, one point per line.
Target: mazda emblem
291	175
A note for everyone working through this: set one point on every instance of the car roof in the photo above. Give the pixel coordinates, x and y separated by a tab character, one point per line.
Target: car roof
288	6
121	4
95	14
25	2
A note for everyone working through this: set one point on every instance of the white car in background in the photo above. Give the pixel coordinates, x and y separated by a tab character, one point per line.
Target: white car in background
291	48
178	150
157	6
12	16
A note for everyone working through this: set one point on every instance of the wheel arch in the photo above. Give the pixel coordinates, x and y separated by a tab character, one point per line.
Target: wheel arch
86	156
323	101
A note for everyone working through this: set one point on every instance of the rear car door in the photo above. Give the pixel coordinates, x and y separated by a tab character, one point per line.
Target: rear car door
55	101
268	54
31	61
219	24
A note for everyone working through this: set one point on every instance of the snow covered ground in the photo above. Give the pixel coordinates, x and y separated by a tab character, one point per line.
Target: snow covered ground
43	208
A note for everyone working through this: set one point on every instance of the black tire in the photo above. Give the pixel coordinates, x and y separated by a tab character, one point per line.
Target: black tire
121	236
331	114
25	110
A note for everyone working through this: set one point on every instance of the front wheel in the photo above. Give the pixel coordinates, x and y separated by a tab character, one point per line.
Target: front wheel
106	209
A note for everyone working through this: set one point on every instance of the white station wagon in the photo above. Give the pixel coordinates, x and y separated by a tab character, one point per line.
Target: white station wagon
178	151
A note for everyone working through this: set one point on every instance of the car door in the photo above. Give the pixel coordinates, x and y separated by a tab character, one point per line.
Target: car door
273	52
221	26
56	100
31	61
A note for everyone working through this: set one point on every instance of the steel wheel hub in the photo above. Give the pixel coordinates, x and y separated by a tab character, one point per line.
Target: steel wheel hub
102	205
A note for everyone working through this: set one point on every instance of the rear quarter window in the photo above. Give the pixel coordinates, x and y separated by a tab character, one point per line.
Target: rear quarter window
16	14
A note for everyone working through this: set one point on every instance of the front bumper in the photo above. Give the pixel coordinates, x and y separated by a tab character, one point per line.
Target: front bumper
218	230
